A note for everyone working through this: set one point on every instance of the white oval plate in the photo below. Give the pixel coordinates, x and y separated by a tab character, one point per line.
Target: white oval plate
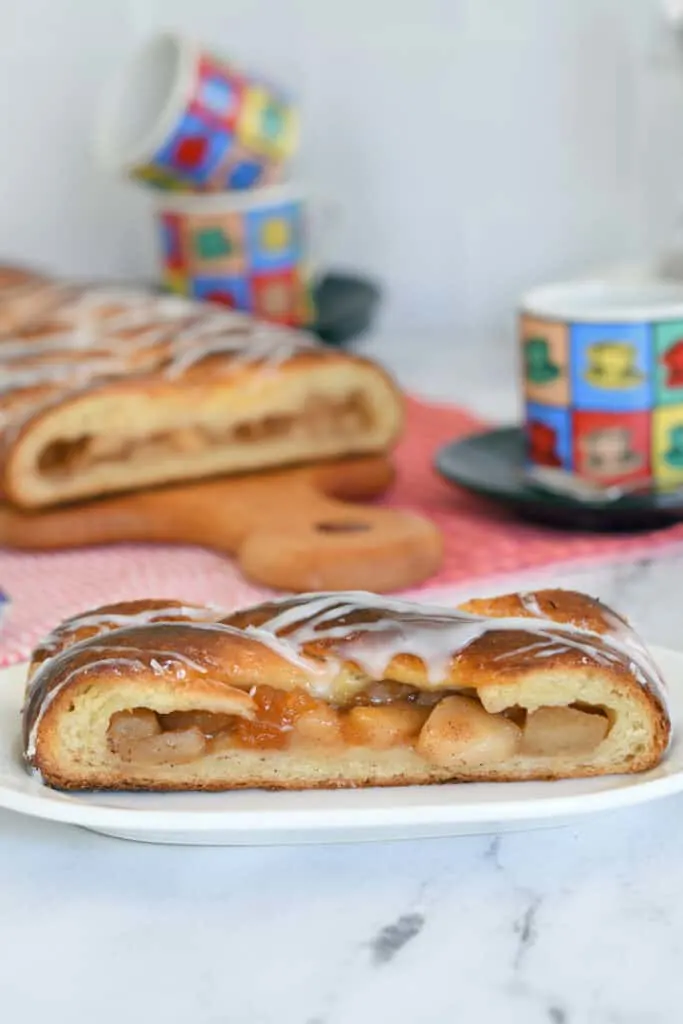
255	817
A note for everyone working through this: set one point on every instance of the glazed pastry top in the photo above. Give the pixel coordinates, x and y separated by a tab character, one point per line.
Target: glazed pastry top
95	336
333	643
372	631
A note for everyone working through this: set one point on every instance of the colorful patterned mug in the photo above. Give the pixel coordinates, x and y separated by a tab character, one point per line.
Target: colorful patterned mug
247	250
603	384
183	119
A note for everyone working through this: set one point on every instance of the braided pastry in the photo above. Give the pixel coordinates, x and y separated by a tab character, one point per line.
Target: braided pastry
344	689
113	389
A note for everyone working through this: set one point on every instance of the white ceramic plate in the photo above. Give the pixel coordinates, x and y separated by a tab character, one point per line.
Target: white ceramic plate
251	818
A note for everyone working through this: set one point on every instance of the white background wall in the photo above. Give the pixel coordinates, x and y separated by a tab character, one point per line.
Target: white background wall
472	147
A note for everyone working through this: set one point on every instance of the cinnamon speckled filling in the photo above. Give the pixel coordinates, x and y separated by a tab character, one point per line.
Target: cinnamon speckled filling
442	727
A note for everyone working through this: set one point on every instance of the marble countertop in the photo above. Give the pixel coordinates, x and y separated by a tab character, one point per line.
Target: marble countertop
576	925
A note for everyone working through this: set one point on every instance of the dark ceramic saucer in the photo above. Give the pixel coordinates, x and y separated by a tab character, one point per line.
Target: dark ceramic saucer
492	464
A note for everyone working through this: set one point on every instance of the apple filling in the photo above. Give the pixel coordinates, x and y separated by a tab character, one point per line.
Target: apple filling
320	418
446	729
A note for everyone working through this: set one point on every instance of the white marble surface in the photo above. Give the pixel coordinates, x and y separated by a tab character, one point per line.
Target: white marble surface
576	925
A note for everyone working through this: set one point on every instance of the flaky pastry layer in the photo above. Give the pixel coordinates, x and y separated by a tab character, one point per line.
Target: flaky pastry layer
333	690
115	390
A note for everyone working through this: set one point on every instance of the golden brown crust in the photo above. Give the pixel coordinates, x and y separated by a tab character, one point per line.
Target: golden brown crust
25	295
108	617
553	603
100	346
489	658
215	664
151	784
499	656
227	371
40	408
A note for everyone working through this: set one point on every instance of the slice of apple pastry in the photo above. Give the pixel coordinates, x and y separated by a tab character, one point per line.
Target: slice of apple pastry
343	689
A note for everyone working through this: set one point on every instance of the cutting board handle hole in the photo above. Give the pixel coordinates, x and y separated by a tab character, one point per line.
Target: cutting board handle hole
342	527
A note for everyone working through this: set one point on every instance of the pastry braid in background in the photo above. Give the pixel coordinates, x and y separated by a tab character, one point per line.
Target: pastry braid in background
109	389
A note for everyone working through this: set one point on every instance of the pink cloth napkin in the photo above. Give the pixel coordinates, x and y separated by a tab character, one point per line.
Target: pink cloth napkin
481	540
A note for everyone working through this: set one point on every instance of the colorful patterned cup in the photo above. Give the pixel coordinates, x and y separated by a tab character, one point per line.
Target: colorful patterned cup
246	250
603	383
182	119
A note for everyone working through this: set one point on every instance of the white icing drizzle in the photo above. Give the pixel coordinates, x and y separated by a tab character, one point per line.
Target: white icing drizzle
75	374
530	604
99	335
163	660
106	621
17	286
433	634
321	672
45	344
160	660
265	346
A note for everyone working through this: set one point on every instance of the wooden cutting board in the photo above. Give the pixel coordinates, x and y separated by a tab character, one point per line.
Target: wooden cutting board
295	529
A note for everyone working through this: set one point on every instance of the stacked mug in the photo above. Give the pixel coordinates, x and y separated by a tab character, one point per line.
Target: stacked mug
213	145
